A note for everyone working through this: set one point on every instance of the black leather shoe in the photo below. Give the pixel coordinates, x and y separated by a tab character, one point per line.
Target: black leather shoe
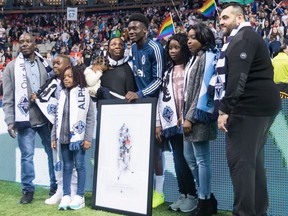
27	197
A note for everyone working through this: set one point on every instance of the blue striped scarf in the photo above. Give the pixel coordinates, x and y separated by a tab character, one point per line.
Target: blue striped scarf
218	81
204	111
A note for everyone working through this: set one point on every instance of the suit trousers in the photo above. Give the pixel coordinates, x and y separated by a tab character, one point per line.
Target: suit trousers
245	142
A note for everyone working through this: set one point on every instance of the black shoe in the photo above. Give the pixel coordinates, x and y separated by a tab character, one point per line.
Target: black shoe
52	191
214	203
204	208
27	197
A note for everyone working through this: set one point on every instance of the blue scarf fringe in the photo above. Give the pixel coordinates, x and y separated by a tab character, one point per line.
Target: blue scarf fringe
172	131
205	117
75	146
58	166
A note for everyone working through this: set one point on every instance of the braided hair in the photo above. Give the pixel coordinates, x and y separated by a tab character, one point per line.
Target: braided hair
78	76
181	38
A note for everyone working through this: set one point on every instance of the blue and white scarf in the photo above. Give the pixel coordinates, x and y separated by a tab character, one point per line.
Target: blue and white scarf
46	101
79	104
22	100
204	111
217	84
167	107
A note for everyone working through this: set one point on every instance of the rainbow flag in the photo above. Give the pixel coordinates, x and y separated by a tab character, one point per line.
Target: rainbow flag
167	28
284	2
208	8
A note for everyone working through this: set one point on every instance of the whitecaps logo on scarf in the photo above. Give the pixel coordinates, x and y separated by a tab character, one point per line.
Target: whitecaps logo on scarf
23	105
79	127
168	114
51	109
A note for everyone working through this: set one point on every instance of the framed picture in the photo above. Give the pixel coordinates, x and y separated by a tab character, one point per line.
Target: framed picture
123	168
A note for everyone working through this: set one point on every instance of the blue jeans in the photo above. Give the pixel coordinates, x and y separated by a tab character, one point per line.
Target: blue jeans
197	155
26	142
186	183
70	158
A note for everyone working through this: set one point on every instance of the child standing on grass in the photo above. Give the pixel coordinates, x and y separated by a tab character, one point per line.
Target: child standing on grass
73	130
169	119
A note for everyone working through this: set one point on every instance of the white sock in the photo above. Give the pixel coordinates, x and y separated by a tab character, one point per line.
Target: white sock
159	183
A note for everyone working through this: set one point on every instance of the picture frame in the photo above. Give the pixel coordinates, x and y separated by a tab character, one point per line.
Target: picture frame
123	161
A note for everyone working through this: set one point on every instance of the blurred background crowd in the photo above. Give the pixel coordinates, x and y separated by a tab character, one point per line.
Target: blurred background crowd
100	20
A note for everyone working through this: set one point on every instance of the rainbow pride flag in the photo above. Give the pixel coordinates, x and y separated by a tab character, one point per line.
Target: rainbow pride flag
208	8
167	28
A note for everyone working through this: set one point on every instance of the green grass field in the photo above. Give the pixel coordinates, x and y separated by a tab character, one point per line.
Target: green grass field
10	194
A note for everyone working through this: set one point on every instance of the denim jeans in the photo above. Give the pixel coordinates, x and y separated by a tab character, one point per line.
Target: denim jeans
197	155
26	142
70	158
186	183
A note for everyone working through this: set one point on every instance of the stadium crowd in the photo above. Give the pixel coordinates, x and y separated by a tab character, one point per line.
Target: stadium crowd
88	36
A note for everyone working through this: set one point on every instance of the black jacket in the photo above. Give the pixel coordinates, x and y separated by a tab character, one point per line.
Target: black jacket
250	89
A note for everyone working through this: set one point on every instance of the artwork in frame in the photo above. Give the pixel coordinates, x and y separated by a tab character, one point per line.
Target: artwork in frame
123	169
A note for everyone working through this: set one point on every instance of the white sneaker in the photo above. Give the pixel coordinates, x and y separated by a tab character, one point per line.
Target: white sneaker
175	206
78	202
189	204
64	202
56	198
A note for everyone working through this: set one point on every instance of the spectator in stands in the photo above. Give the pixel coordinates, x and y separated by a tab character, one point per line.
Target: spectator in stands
65	36
53	53
96	50
64	50
212	27
105	48
87	55
257	28
125	35
8	56
115	32
2	57
2	35
127	49
275	39
1	86
285	39
59	43
266	31
219	37
15	48
78	61
280	64
8	43
285	17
